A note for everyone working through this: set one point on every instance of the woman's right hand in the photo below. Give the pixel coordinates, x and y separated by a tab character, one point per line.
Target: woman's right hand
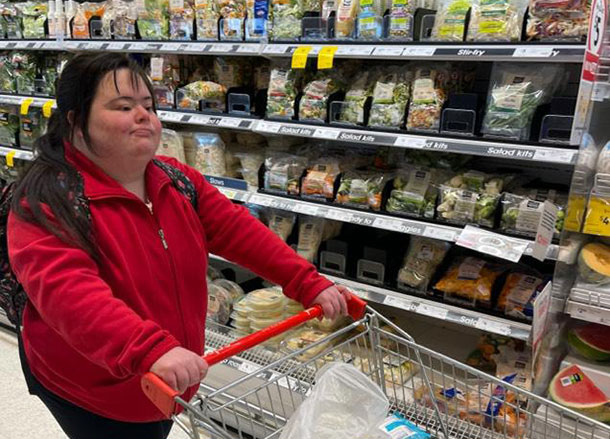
180	369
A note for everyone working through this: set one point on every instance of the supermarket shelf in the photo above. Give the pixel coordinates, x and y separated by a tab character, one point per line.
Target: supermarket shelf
483	148
230	188
589	305
19	153
466	51
432	309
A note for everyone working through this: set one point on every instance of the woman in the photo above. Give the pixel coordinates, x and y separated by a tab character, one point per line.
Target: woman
123	292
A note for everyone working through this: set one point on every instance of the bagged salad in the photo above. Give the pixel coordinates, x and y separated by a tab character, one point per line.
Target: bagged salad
165	76
319	180
171	145
450	20
518	294
211	93
313	104
181	16
206	19
415	190
352	108
251	160
11	21
496	20
233	14
33	18
287	16
82	16
119	20
429	92
420	263
370	19
7	75
283	172
557	20
471	197
24	71
516	92
401	20
9	126
521	211
206	153
282	91
153	20
31	126
231	72
362	189
390	98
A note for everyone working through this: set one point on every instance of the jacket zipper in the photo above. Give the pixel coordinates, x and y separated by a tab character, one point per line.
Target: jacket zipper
161	233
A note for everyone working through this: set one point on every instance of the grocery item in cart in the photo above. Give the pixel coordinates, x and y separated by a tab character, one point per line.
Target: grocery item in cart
397	427
119	20
428	97
281	223
496	20
470	279
314	102
421	261
287	15
9	126
220	304
415	191
319	180
362	189
590	340
206	153
171	145
206	19
516	92
267	300
401	17
283	172
282	91
211	93
233	13
572	388
33	18
390	97
343	404
153	20
303	338
518	294
347	10
450	20
593	263
181	15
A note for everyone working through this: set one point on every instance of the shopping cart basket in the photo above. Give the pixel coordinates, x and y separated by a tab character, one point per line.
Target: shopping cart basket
259	389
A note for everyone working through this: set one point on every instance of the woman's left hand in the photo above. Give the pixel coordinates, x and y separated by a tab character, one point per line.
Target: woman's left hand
333	301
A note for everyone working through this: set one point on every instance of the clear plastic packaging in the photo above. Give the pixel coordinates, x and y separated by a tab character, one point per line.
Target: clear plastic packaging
283	172
558	20
214	273
165	76
293	307
516	92
119	20
266	299
33	18
303	338
518	294
206	153
282	91
9	126
153	20
231	72
7	77
362	189
370	19
313	104
521	213
11	21
281	223
428	99
24	71
234	289
352	109
181	16
400	27
311	230
390	97
219	304
190	95
414	192
32	126
345	24
206	19
241	308
450	20
287	16
496	20
251	161
421	261
319	180
233	14
171	145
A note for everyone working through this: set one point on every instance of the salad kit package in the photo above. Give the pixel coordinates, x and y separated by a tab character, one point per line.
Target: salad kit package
450	20
521	212
7	75
311	230
556	20
313	104
352	109
287	16
119	20
233	14
153	20
24	71
251	161
213	95
282	91
370	19
9	126
496	20
231	72
11	21
206	19
361	189
319	180
470	280
518	294
83	14
33	18
171	145
345	23
429	92
415	192
31	126
206	153
471	197
516	92
401	20
390	98
283	172
181	15
420	263
165	76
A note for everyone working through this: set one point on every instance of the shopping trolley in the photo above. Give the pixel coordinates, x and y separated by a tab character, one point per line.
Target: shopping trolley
446	398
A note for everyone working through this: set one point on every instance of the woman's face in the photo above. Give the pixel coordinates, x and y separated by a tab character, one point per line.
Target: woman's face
122	123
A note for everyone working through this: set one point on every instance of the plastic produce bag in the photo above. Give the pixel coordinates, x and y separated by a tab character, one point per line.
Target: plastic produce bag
153	20
421	261
319	181
283	172
171	145
33	16
556	20
343	404
181	15
496	20
390	98
516	92
206	19
281	223
313	104
450	20
190	95
362	189
414	192
206	153
401	20
119	20
352	110
429	96
282	91
345	24
287	15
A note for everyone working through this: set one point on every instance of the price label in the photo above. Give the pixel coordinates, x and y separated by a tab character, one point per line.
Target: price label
597	221
299	57
389	224
326	133
491	243
355	50
260	200
388	51
222	48
46	108
554	156
410	142
440	233
9	159
25	106
169	47
229	122
171	116
306	209
491	326
248	48
116	46
275	49
433	311
268	127
229	193
419	51
575	212
340	215
397	302
533	52
326	57
594	315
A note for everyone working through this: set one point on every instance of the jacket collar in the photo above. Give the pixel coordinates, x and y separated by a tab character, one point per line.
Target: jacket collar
98	184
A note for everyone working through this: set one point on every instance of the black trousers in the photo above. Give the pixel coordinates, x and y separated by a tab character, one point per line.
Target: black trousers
79	423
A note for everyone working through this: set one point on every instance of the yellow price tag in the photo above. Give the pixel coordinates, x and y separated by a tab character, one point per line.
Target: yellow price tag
46	108
9	159
25	105
597	221
299	57
326	57
575	212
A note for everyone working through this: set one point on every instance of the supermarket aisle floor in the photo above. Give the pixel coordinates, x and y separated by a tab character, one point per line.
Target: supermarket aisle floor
23	416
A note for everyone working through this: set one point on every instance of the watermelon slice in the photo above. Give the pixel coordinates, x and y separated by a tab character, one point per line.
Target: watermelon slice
573	389
592	341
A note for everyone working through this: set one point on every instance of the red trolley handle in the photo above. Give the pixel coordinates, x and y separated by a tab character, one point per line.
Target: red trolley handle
163	396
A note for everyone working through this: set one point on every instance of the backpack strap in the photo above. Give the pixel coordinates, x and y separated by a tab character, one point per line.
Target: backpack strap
181	182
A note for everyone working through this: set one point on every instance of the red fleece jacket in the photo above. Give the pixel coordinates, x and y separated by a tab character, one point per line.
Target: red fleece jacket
92	329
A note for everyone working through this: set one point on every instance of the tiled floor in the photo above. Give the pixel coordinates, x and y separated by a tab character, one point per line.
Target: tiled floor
23	416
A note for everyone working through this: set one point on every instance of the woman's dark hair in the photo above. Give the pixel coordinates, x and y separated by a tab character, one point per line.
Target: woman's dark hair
51	179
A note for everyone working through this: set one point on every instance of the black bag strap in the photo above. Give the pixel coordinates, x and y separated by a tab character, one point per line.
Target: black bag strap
181	182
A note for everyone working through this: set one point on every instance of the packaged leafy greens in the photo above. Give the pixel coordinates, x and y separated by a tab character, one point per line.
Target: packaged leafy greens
390	97
233	14
191	94
313	104
352	109
521	212
119	20
516	91
450	20
401	20
7	75
33	18
31	126
282	91
283	172
181	16
287	15
421	261
319	179
496	20
24	71
206	19
153	20
9	126
362	189
11	21
415	190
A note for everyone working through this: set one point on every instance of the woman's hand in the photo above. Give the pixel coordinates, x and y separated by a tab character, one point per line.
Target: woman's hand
333	301
180	369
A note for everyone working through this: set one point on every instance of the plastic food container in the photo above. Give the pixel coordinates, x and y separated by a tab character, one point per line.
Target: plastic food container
236	291
267	299
293	307
258	324
219	304
241	307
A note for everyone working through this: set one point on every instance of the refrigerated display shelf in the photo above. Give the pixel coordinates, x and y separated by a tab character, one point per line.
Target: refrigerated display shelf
230	188
438	310
18	153
589	305
531	52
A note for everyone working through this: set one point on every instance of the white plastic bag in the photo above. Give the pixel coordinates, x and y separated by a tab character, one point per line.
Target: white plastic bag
343	404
